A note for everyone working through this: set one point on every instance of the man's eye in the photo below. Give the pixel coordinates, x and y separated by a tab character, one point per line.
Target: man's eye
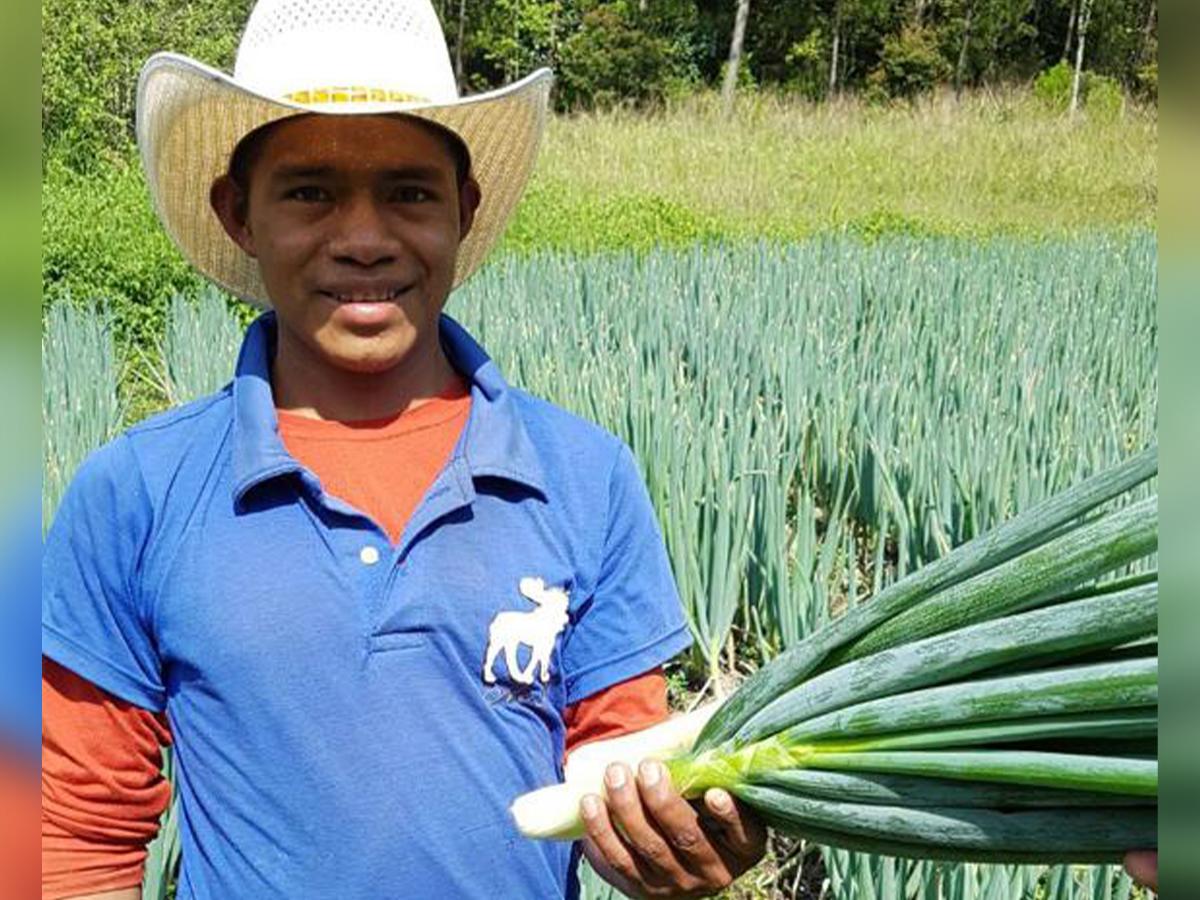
307	194
413	194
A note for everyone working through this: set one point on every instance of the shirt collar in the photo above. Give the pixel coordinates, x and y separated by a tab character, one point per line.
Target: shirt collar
495	442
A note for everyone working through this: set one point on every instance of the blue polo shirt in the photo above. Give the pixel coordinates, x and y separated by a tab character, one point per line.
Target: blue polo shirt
334	734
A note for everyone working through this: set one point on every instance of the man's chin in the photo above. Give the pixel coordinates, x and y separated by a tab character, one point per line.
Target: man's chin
367	364
370	353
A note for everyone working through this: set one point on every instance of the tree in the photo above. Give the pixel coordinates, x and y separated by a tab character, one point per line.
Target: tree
833	53
1149	34
1085	15
968	20
610	60
991	39
1070	29
92	51
458	44
510	38
735	55
909	65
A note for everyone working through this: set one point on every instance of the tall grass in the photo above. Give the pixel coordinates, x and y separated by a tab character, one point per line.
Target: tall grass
985	164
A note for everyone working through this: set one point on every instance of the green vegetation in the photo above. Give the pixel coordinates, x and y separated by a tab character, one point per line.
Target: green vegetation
837	412
815	420
101	242
782	169
983	166
92	51
81	408
1101	95
622	52
952	679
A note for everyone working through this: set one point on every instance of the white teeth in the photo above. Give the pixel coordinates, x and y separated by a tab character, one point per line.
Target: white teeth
366	298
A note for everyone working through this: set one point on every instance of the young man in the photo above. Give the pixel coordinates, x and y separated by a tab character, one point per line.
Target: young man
369	590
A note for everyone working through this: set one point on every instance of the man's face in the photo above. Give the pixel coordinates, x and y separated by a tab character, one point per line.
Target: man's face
355	222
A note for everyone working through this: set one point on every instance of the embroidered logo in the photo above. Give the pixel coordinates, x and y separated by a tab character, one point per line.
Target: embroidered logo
536	628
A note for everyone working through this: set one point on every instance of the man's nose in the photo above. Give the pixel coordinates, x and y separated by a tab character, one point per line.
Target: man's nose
361	234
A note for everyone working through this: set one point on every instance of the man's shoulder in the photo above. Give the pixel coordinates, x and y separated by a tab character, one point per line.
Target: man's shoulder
185	419
160	446
560	433
129	476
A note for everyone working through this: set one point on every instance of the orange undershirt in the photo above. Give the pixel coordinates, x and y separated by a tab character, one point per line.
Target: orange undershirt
103	792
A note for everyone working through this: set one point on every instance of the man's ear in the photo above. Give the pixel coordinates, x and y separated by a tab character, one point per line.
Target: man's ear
229	202
469	196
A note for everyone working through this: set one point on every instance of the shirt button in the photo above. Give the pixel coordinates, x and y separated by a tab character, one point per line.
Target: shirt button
369	555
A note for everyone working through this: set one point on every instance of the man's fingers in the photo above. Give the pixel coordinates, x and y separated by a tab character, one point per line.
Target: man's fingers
1142	866
743	834
605	870
603	846
680	826
625	809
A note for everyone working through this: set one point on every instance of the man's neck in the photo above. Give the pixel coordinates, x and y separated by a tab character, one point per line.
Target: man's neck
305	385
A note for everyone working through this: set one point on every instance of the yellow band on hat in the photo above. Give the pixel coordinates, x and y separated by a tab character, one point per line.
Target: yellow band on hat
353	95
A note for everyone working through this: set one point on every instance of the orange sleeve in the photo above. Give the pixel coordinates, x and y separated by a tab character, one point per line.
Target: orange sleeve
18	805
626	706
103	791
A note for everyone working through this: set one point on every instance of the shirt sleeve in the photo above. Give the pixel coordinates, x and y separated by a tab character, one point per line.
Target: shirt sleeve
103	791
629	706
93	621
633	621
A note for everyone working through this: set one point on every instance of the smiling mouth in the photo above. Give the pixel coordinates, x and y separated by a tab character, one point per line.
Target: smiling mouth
374	296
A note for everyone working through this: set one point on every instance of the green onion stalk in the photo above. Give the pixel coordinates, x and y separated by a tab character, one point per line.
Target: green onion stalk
998	705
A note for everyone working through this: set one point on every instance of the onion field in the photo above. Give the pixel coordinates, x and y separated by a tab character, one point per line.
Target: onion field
813	420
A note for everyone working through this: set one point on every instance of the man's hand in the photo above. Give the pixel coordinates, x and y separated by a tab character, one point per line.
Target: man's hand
1142	866
650	842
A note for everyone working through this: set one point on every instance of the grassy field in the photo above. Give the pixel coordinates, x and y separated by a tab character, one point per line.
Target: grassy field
983	166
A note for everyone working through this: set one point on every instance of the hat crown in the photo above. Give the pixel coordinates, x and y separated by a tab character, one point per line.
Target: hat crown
300	48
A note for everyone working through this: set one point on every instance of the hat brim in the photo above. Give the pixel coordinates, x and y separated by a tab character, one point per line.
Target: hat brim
190	117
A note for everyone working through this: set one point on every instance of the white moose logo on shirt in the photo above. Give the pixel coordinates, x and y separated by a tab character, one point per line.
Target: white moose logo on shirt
537	629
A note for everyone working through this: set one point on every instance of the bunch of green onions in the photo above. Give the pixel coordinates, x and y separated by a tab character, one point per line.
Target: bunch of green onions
999	704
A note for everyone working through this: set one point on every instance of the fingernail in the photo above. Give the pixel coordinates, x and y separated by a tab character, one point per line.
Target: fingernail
720	801
615	776
650	773
591	806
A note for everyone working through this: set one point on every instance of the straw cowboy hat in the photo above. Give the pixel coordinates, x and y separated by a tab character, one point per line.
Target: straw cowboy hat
340	57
